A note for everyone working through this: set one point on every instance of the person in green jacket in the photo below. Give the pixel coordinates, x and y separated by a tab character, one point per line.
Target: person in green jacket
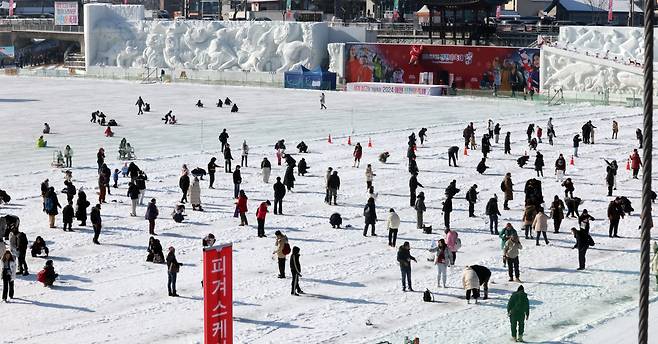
518	310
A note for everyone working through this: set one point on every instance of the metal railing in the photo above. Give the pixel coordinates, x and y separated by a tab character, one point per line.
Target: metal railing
44	25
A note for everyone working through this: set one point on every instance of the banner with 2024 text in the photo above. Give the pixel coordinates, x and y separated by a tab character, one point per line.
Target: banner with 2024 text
218	294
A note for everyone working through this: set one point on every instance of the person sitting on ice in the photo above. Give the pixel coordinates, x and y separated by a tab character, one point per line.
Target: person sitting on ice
41	142
38	247
522	160
47	276
302	167
335	220
147	107
209	240
46	128
108	132
167	117
384	156
482	167
154	250
234	108
220	103
60	159
173	120
227	101
303	148
179	213
112	123
199	103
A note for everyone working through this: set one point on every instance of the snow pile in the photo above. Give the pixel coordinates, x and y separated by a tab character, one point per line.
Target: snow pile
115	37
108	293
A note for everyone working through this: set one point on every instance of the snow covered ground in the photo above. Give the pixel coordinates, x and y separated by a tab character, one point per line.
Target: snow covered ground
108	293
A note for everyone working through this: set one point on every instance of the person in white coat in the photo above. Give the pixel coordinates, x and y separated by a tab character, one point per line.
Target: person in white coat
8	265
393	224
540	224
326	185
471	284
13	242
194	195
369	177
442	262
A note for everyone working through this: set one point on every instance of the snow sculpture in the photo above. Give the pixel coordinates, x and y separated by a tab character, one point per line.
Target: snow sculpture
116	38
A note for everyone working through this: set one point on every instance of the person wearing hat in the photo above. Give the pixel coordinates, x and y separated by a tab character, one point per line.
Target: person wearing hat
261	212
173	266
518	311
472	197
150	215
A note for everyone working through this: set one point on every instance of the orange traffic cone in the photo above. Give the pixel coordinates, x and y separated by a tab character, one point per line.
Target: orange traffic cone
369	143
349	140
628	165
465	150
571	162
329	140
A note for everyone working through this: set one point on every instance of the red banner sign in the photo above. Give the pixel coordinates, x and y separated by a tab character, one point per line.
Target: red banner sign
218	294
610	10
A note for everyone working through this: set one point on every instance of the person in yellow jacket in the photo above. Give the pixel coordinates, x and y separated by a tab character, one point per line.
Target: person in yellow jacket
41	142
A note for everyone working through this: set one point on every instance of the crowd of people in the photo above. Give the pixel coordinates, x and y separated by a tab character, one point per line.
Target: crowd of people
537	211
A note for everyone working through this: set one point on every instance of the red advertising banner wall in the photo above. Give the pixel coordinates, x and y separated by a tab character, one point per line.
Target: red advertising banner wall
471	67
218	294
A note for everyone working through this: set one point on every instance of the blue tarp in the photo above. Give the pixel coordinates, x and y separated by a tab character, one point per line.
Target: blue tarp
304	78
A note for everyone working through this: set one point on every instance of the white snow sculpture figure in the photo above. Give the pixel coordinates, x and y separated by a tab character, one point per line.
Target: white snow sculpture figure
222	56
126	57
154	53
294	54
195	40
172	51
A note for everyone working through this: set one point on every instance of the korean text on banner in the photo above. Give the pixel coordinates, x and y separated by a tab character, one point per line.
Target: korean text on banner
66	13
218	294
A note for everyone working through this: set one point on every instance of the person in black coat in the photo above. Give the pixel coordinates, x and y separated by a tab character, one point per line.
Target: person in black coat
452	155
234	108
530	131
22	253
184	184
95	217
173	266
452	190
70	191
482	166
302	167
81	209
220	103
576	143
572	206
227	158
447	209
610	175
370	214
422	135
486	144
67	216
223	138
492	211
583	242
302	147
279	193
413	166
296	271
484	274
568	188
212	168
496	132
289	178
335	220
237	180
133	171
615	213
508	144
413	185
334	185
539	164
154	250
472	197
38	247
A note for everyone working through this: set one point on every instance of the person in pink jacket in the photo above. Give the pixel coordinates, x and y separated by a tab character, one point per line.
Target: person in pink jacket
451	242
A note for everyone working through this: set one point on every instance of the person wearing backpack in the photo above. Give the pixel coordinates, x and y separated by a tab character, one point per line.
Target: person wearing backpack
442	262
8	275
281	251
370	214
453	243
51	204
173	266
261	212
296	271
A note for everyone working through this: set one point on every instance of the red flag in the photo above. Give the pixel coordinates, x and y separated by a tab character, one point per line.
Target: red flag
218	294
11	8
610	10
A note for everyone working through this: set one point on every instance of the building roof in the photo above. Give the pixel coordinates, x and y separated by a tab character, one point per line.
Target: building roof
597	6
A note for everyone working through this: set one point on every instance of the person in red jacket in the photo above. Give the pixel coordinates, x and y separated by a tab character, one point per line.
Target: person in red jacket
636	162
358	152
260	217
108	132
242	208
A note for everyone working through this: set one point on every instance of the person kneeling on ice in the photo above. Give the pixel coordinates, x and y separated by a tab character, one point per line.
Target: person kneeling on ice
41	142
518	311
220	103
335	220
155	251
108	132
179	213
471	284
383	157
234	108
38	247
173	120
303	148
199	103
47	276
46	128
